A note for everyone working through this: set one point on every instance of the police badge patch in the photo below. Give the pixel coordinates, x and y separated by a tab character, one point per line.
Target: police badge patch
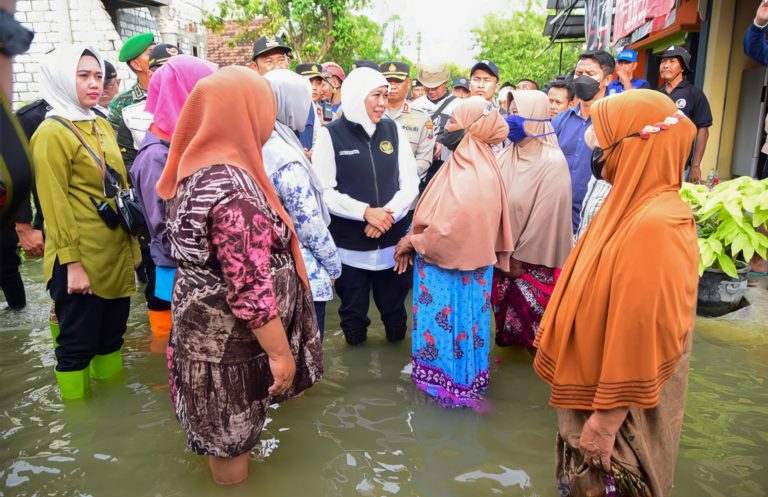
386	147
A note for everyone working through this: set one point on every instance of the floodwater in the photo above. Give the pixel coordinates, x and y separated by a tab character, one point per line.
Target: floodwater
364	431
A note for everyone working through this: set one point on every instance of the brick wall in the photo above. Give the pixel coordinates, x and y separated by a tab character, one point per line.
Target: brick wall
87	21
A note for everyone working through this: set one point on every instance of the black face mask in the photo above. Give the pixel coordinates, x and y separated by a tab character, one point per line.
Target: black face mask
585	88
599	157
451	139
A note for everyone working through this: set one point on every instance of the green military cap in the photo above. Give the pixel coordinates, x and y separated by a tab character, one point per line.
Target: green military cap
395	70
135	46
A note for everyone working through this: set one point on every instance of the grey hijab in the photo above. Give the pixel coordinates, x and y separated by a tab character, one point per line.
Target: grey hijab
294	100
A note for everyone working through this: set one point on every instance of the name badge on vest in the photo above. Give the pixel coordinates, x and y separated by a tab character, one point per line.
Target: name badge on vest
386	147
349	152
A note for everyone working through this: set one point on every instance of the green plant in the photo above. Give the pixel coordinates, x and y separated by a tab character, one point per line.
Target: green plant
729	219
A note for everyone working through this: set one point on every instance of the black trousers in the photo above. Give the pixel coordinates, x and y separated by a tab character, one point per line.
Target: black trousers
320	313
153	303
389	292
88	324
10	278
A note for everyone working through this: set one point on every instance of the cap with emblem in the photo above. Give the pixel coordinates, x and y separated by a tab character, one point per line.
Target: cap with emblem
485	65
627	55
461	82
333	69
434	76
395	70
679	52
161	53
267	43
310	70
135	46
365	63
416	83
110	72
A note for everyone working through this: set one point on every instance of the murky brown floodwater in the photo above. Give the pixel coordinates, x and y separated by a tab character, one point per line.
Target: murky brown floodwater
364	431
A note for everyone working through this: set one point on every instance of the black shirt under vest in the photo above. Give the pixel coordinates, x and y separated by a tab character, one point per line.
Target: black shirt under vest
367	170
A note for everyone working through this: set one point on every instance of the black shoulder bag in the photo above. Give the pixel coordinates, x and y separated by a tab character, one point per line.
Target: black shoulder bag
129	210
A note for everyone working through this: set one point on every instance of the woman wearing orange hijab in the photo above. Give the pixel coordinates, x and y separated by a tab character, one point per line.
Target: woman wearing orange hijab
614	342
456	247
245	333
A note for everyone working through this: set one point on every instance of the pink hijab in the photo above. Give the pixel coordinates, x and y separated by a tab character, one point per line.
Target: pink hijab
171	85
462	219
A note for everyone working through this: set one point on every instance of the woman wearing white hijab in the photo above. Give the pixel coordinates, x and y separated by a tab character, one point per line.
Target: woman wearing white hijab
368	172
298	187
88	264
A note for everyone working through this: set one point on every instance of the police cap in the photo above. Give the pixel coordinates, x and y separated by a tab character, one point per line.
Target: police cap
310	70
395	70
161	53
267	43
365	63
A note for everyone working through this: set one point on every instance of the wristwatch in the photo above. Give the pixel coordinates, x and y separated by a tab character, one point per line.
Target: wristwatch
14	38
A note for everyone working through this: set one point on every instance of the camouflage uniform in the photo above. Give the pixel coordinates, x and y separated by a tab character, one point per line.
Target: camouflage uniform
124	138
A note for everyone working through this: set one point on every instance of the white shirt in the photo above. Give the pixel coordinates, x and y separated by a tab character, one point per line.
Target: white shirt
597	191
342	205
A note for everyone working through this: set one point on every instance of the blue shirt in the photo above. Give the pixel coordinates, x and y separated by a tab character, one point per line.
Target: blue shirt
755	45
570	128
616	86
305	137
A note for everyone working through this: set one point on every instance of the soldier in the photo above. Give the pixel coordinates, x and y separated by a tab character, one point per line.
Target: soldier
270	52
135	52
416	124
135	120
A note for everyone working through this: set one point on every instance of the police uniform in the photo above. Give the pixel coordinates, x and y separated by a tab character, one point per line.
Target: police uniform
416	123
110	73
307	137
132	48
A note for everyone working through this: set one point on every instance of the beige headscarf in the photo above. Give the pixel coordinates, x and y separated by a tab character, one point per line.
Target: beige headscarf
462	219
538	185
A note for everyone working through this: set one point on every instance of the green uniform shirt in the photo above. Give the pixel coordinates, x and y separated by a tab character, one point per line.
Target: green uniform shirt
66	176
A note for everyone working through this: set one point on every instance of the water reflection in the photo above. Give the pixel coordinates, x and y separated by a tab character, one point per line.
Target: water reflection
365	431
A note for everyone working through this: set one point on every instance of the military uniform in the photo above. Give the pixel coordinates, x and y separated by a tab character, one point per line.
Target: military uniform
132	96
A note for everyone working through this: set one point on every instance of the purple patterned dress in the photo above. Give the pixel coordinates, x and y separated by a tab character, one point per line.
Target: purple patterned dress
235	274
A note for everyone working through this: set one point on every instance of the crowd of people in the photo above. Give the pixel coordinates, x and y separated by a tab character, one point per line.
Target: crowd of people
489	201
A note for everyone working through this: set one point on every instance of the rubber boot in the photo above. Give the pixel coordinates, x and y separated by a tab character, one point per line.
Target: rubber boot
106	366
73	384
54	333
160	322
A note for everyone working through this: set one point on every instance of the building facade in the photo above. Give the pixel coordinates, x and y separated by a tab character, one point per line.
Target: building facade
103	24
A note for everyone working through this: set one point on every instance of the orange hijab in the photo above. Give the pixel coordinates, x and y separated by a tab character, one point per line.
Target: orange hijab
624	304
226	120
462	219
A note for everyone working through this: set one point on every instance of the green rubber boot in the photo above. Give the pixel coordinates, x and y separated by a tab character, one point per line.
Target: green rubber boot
107	366
54	333
73	384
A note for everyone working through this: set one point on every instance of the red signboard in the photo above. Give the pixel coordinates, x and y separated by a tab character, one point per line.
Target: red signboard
632	14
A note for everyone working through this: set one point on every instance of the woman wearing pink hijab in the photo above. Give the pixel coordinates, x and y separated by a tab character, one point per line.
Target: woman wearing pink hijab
168	90
456	246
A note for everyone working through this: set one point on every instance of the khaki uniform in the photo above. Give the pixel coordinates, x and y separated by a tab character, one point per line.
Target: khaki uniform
419	130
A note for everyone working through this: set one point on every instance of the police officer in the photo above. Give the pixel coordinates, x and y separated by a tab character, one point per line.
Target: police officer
416	124
270	52
689	99
135	52
417	90
365	63
111	87
313	72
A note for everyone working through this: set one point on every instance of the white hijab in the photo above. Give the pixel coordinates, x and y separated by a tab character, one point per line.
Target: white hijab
58	74
293	94
358	84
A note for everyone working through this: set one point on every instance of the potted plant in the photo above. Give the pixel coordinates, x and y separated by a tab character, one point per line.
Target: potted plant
731	219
